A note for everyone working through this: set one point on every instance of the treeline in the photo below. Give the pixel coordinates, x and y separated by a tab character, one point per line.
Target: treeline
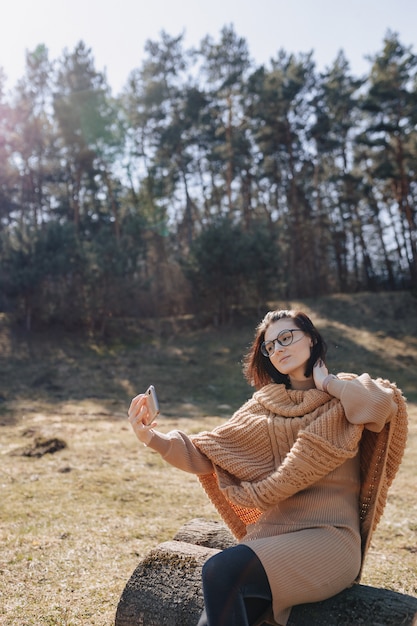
207	184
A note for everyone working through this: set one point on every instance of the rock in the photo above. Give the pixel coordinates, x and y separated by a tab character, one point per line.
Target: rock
165	588
210	534
359	605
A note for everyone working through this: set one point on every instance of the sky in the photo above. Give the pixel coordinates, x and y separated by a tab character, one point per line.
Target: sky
117	30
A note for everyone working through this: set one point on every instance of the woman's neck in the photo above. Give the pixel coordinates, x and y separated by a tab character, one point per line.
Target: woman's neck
307	383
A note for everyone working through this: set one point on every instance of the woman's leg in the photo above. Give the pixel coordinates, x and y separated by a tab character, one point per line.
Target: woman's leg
236	588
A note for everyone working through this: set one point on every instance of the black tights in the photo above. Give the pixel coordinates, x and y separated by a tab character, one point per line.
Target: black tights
236	588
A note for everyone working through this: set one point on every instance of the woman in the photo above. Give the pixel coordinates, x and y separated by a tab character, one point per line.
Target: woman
299	473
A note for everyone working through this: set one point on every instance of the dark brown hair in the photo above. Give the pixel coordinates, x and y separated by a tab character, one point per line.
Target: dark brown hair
259	370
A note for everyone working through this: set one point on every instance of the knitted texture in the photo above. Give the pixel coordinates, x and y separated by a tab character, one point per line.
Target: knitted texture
381	455
282	441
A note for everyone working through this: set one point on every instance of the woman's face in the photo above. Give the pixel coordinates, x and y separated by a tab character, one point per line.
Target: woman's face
290	359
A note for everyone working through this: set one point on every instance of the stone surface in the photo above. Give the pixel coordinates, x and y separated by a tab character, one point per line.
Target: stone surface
211	534
165	588
358	606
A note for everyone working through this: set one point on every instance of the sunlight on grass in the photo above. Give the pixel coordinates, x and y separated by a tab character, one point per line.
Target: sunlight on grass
74	524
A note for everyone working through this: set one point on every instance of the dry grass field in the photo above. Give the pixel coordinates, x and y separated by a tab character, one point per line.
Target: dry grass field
75	523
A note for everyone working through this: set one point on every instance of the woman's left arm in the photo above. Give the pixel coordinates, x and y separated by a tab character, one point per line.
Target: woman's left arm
364	400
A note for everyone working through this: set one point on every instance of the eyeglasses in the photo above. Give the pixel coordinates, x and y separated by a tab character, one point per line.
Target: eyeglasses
285	338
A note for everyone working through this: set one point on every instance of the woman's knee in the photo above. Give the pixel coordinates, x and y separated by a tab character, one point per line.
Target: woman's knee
212	567
230	565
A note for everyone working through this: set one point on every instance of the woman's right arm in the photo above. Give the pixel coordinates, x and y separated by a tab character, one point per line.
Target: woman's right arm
175	447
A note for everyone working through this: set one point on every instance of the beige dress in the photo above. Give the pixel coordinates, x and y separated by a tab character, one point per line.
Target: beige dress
310	544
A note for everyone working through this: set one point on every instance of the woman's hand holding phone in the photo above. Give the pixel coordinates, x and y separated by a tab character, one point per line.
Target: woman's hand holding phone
142	413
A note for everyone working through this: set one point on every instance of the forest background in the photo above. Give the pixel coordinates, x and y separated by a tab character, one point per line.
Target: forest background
206	185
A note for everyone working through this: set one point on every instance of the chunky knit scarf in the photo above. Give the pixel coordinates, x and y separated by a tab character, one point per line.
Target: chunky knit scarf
282	441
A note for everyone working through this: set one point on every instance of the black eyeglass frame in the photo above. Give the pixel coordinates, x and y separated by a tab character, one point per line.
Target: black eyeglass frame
265	352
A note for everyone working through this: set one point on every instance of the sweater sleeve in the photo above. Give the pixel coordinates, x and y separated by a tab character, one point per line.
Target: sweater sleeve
178	450
365	401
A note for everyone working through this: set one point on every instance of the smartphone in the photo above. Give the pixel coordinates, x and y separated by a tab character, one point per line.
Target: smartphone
152	402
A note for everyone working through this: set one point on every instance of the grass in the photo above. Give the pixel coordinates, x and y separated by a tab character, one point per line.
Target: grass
74	524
